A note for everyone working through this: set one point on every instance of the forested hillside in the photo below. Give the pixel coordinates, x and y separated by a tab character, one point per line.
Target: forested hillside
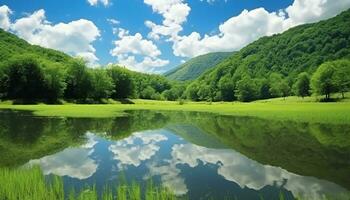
270	66
30	73
193	68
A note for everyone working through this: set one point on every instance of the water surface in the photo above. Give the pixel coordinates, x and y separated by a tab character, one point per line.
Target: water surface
197	155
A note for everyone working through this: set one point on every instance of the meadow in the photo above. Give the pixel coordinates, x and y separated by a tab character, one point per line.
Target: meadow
291	108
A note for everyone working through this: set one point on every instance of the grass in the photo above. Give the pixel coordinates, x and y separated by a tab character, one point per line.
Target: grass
30	184
334	113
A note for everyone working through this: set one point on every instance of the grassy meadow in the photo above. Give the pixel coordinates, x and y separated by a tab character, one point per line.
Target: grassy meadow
291	108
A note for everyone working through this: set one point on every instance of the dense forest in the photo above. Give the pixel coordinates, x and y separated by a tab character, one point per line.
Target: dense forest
270	66
196	66
305	60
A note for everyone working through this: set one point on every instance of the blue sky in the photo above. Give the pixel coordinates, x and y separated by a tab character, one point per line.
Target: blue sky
178	33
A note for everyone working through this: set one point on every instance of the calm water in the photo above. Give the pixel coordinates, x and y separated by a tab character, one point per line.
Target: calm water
198	155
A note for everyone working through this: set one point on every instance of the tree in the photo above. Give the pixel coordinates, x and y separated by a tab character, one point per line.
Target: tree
285	89
79	81
124	85
275	81
302	85
192	92
54	80
3	83
25	78
226	88
342	75
148	93
322	82
102	85
246	89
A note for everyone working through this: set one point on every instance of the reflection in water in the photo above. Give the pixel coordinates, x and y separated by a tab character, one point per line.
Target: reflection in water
136	148
248	173
72	162
195	154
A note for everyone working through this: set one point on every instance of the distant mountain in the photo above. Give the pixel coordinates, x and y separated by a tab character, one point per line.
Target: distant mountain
300	49
193	68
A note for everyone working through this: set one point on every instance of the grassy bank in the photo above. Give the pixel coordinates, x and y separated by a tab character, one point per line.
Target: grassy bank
335	113
30	184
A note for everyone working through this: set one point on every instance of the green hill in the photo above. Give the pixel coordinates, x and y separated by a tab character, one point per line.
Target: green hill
11	46
300	49
193	68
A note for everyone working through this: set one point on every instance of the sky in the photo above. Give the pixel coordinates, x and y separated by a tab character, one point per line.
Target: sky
154	36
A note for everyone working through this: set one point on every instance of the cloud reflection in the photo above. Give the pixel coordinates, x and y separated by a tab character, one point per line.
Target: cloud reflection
251	174
137	148
72	162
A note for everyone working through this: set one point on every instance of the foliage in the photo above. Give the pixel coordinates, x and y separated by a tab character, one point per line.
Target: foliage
102	84
299	49
331	77
302	85
193	68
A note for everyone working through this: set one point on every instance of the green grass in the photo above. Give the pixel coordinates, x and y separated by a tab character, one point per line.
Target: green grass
335	113
30	184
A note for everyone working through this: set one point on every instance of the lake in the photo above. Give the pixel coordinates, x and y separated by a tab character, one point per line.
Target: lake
196	155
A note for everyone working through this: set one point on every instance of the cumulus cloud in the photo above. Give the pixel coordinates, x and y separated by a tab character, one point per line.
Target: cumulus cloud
68	36
5	12
96	2
127	47
240	30
174	14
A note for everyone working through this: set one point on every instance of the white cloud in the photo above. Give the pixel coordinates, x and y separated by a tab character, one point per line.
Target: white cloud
174	14
4	17
127	47
306	11
95	2
68	37
113	21
248	26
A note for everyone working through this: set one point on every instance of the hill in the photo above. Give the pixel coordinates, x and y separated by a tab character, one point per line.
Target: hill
283	56
193	68
12	46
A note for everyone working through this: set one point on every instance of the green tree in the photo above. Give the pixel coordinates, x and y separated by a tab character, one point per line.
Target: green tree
148	93
102	84
342	75
192	91
26	79
54	80
226	88
79	80
302	85
124	86
322	82
246	89
275	81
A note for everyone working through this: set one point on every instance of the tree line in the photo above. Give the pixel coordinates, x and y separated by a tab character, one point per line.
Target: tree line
30	79
330	77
